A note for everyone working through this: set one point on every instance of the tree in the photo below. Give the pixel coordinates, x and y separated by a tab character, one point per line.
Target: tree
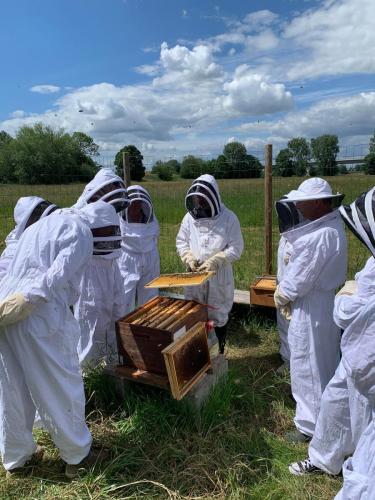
191	167
235	154
40	154
222	167
370	158
174	165
165	172
86	144
5	138
137	170
343	170
299	150
284	163
324	149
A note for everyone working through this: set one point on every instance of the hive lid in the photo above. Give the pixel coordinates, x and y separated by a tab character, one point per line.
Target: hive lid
180	279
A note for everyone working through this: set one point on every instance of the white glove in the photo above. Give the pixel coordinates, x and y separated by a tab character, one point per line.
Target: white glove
286	311
14	308
279	299
350	288
189	260
214	263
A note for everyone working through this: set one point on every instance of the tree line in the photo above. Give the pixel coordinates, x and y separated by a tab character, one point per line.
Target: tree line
39	154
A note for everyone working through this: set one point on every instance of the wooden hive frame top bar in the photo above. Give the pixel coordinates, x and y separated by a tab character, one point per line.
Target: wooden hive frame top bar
180	279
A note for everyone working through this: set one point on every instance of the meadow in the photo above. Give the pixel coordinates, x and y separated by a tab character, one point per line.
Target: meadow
235	447
243	196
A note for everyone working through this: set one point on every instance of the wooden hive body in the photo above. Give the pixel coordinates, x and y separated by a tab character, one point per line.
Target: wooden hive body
143	334
262	290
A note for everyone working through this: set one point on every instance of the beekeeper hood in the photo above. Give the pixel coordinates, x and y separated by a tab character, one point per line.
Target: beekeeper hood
140	208
105	186
104	224
311	189
202	200
359	217
28	210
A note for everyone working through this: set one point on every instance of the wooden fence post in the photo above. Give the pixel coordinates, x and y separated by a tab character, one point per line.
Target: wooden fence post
126	168
268	209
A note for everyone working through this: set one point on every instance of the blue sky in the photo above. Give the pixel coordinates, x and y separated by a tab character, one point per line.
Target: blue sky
177	77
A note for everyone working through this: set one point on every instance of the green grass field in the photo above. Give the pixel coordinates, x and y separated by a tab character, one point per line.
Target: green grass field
243	196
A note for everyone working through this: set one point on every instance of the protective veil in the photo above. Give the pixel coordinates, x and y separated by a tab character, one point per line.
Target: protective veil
28	210
105	186
209	228
139	262
39	366
317	266
101	293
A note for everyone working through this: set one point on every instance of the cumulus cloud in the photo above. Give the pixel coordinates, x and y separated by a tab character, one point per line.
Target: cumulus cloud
45	89
19	113
346	116
337	37
252	93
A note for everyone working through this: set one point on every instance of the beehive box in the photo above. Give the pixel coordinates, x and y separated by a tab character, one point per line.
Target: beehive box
262	290
143	334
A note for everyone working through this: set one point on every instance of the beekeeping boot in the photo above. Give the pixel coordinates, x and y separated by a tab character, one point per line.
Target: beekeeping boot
221	334
26	469
95	457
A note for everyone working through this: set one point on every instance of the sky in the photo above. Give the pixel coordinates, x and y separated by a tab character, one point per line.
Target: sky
177	77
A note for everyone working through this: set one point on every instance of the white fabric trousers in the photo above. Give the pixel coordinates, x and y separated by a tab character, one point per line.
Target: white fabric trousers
344	415
282	327
359	470
314	342
40	372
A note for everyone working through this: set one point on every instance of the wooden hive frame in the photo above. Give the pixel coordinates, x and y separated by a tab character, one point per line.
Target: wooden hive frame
185	370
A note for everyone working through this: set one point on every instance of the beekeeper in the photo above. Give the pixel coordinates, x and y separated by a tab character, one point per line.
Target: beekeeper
344	412
27	210
317	266
101	293
39	366
210	239
101	299
139	261
358	354
105	186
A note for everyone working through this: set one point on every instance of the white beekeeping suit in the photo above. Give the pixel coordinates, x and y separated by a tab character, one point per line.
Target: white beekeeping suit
344	412
358	351
317	266
27	210
101	293
139	261
39	366
101	299
210	239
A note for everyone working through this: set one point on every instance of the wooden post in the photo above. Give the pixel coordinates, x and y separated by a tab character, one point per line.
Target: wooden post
268	209
126	168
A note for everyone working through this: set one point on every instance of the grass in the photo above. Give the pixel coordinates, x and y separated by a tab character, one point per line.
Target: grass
243	196
233	449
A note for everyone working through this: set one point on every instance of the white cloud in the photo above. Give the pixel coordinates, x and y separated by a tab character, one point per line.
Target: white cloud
337	37
345	117
252	93
45	89
19	113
